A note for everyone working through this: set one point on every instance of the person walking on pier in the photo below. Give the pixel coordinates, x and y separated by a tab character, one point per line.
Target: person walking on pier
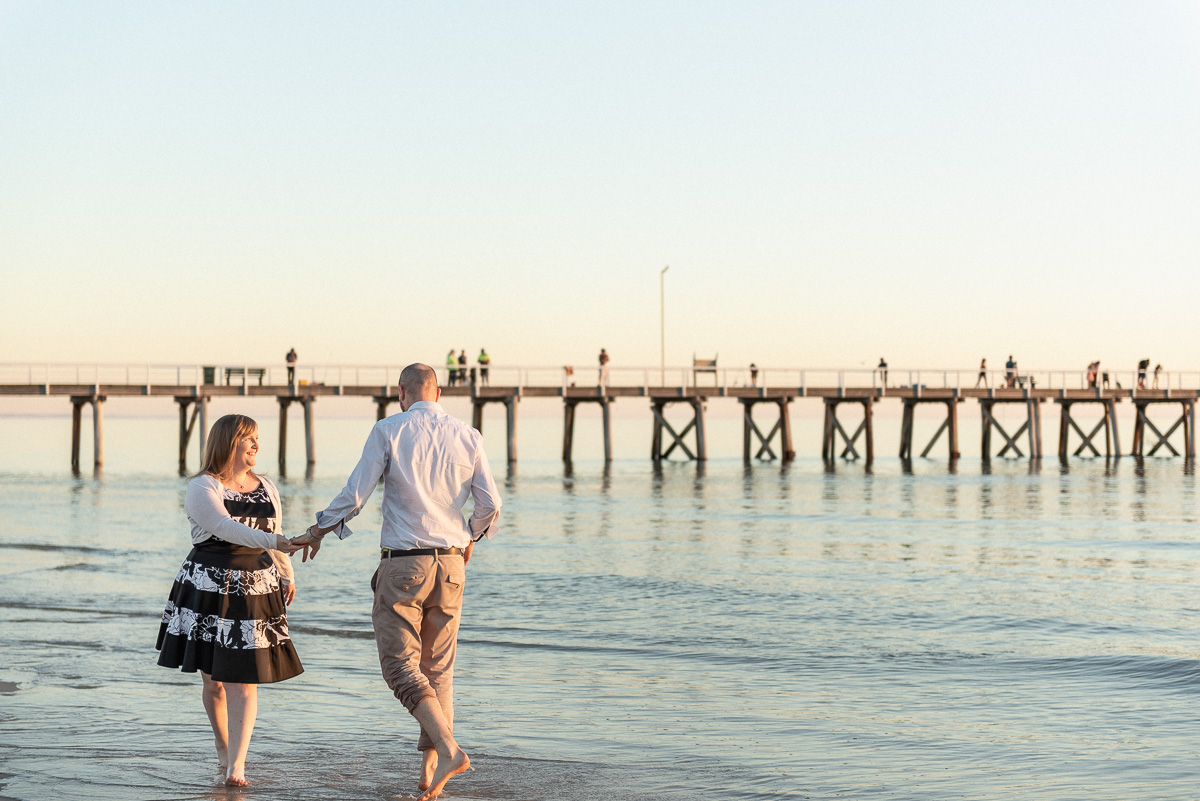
603	358
484	360
882	372
1010	372
291	366
226	615
982	373
430	464
462	366
1143	366
1157	371
451	368
1093	370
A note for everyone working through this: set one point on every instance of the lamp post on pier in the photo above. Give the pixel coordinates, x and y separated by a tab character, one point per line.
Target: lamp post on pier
662	319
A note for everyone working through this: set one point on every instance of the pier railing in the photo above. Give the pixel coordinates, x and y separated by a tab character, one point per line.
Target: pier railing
193	375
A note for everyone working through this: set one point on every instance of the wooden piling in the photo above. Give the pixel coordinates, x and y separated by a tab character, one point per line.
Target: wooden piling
284	402
510	408
310	451
76	430
568	428
782	427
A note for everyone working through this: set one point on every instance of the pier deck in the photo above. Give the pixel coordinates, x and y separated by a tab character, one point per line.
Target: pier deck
863	388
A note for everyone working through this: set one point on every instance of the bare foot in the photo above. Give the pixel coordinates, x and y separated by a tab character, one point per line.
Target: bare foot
236	779
456	764
429	760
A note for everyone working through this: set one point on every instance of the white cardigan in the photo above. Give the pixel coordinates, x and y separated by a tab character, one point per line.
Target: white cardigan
205	508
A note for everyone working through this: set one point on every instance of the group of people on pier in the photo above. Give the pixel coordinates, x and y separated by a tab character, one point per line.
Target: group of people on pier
457	371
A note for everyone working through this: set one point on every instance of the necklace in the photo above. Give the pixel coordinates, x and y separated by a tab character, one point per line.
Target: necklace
241	485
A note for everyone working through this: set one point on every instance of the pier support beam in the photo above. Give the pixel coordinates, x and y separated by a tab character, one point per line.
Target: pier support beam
834	431
657	451
1032	427
77	404
510	408
1187	420
569	405
1112	438
199	408
949	424
310	452
783	427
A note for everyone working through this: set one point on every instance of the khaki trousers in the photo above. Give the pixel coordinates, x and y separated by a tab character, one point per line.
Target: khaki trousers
418	601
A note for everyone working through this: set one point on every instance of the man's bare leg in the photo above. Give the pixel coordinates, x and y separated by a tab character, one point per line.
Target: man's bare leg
429	760
451	760
214	705
242	701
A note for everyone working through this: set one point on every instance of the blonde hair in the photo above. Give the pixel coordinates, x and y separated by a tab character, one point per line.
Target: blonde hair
222	439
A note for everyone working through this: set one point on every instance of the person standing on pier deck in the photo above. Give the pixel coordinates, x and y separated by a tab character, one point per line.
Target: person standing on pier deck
462	366
451	368
291	365
882	372
430	464
484	360
1143	366
1010	372
982	373
603	367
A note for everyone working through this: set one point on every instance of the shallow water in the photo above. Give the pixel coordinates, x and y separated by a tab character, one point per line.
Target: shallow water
684	633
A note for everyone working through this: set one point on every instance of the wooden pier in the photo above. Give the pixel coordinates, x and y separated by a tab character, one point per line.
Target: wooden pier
689	441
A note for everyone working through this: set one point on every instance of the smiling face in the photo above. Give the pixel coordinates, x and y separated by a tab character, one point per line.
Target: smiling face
245	452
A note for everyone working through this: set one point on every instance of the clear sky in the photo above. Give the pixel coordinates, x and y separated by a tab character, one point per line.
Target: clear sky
379	182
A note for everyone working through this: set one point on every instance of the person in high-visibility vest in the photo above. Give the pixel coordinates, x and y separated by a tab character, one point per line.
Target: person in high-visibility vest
451	368
484	360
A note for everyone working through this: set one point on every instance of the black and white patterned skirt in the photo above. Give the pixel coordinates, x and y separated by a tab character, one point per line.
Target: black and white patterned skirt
226	616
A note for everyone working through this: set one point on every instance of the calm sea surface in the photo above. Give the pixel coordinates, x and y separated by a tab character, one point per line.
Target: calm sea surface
639	633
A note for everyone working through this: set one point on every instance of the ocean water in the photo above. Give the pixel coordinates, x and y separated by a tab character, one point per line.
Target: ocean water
1018	631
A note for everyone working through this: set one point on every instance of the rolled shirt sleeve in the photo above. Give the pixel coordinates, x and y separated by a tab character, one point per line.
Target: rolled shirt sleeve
362	482
486	497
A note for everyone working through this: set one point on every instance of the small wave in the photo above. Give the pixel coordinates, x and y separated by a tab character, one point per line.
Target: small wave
1160	671
40	546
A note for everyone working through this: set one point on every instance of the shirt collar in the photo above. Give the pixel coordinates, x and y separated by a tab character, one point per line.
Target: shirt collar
432	406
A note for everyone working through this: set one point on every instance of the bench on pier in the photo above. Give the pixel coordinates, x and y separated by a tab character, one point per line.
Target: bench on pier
1021	380
704	366
241	372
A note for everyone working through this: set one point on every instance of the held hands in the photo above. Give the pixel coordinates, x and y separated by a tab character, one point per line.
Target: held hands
308	543
282	543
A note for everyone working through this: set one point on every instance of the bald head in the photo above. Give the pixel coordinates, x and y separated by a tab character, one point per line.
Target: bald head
418	382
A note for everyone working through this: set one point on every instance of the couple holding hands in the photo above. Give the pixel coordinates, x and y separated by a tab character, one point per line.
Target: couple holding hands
226	616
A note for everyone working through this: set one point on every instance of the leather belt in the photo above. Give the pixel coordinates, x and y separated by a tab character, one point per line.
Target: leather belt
389	553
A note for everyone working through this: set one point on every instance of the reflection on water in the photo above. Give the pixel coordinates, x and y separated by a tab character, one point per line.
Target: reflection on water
925	630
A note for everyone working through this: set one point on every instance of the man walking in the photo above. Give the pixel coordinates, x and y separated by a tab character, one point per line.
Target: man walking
430	464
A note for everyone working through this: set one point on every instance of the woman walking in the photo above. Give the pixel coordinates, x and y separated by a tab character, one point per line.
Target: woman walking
226	616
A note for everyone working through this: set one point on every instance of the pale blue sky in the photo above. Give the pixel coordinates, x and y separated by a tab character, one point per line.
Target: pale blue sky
371	183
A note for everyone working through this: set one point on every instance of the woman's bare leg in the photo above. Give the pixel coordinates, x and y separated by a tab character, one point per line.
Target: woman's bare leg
214	704
242	702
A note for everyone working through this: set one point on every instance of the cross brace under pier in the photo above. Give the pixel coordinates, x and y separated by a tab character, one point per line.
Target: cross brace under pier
1186	421
950	424
1032	427
834	430
1112	437
783	427
657	451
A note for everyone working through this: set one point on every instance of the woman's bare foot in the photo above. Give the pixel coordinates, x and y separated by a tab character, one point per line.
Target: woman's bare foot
236	778
429	762
455	764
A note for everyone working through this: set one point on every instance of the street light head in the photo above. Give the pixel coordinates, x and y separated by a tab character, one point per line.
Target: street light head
664	270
